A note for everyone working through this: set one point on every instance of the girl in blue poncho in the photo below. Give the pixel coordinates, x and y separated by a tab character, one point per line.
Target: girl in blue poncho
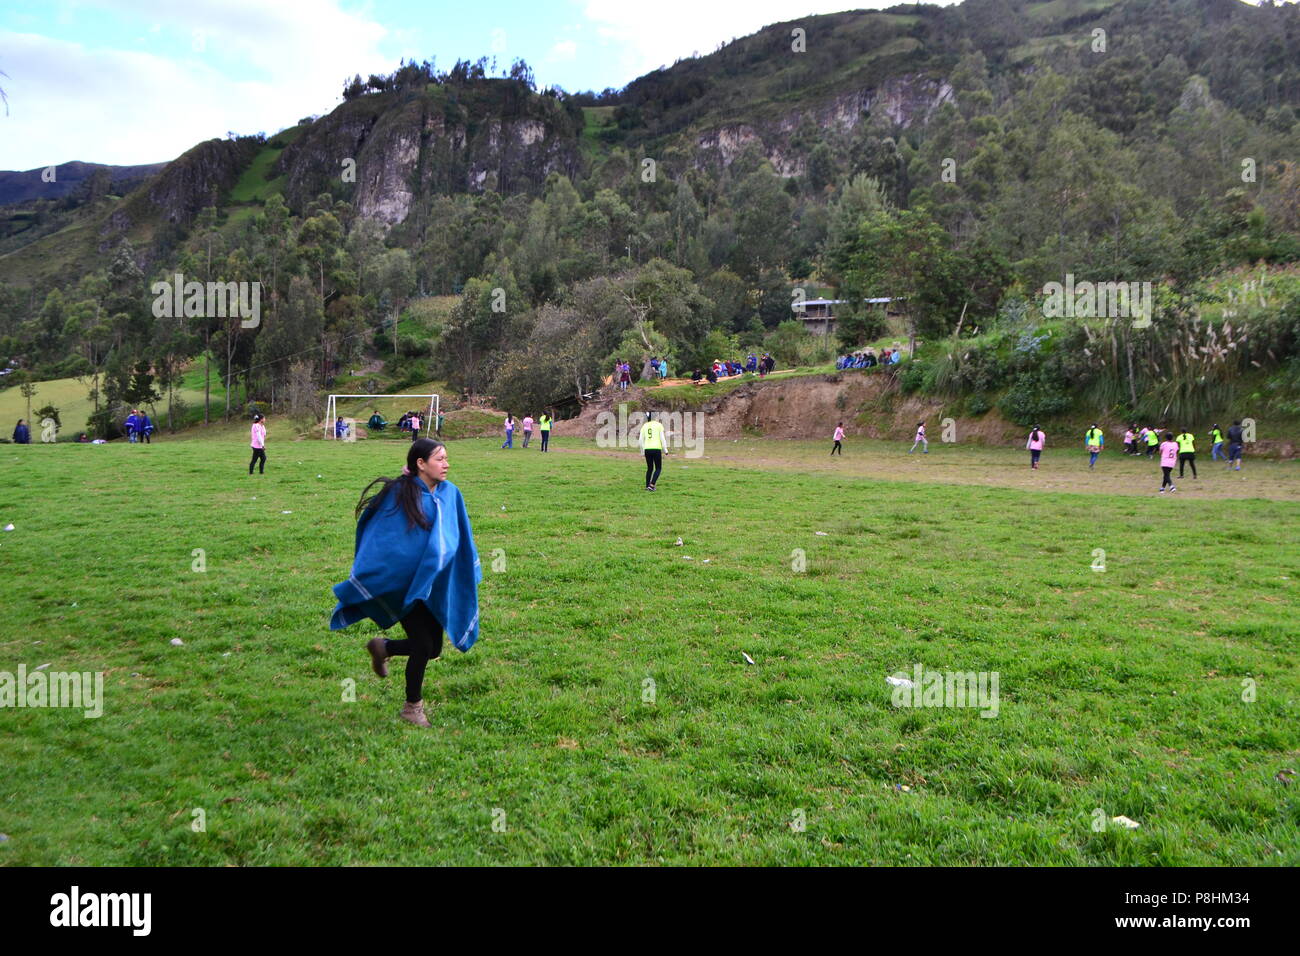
416	565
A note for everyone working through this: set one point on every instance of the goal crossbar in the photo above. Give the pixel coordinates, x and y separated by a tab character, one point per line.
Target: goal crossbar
331	410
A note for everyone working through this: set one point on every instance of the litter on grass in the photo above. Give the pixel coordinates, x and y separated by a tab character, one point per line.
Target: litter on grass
748	659
898	682
177	642
1125	822
9	527
822	534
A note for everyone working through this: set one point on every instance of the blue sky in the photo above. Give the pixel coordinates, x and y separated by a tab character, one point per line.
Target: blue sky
135	81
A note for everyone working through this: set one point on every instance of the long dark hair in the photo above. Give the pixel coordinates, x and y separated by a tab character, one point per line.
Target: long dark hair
409	487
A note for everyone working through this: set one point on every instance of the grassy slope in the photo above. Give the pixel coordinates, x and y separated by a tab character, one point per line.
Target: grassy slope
1119	690
70	252
257	185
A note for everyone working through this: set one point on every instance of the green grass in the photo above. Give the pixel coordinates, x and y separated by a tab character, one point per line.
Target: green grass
71	397
54	257
256	185
1119	690
1060	9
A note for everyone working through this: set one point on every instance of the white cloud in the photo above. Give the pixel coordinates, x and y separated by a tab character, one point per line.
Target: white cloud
262	66
563	51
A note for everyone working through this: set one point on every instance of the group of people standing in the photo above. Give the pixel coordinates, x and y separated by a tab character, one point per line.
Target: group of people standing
543	424
1147	440
1177	449
410	422
138	426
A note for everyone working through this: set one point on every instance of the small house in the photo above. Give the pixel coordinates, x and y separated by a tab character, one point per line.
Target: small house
819	314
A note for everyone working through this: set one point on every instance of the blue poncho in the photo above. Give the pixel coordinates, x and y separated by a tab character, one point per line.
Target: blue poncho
396	566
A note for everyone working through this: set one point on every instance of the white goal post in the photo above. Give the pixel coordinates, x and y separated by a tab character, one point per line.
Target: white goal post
331	410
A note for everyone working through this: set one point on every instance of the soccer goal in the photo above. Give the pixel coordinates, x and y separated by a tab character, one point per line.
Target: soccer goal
331	415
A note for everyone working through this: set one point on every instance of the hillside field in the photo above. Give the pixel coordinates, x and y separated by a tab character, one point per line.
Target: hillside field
608	714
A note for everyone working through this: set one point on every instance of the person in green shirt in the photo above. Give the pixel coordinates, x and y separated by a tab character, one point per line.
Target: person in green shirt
1186	452
1094	439
652	443
1216	443
1153	441
441	419
544	426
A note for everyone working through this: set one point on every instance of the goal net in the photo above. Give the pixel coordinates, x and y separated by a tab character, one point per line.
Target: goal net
368	411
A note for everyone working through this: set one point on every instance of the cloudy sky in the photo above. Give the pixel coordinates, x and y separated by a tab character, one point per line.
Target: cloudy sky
138	81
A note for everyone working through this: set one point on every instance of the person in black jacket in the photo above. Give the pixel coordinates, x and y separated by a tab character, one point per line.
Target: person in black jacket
22	434
1235	441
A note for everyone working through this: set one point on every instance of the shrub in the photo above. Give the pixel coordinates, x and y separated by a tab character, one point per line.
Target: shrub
912	376
1033	397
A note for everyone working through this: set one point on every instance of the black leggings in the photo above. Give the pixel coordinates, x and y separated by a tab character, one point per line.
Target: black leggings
1167	481
258	453
423	643
1186	458
654	463
837	447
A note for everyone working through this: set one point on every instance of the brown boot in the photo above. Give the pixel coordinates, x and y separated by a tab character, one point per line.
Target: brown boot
415	713
378	655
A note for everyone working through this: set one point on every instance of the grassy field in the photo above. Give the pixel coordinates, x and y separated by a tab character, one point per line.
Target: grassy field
71	397
1120	691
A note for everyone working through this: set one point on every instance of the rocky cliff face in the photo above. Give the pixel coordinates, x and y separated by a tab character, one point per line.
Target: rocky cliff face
420	146
199	177
906	100
194	180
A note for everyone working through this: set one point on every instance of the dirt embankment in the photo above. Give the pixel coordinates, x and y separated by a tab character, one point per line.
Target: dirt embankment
869	403
809	406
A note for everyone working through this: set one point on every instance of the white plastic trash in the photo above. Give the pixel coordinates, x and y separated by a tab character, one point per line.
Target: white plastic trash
899	682
177	642
1125	822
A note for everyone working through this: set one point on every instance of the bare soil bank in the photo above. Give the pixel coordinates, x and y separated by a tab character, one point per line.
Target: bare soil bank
869	404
